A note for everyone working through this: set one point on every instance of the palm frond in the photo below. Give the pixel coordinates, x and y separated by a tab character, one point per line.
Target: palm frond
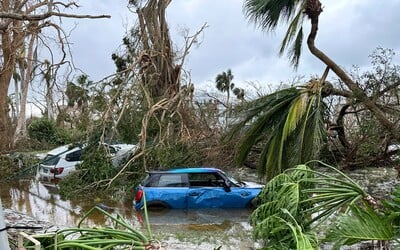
314	132
291	31
303	241
295	202
392	206
360	224
281	193
294	52
327	194
257	117
296	112
268	14
286	124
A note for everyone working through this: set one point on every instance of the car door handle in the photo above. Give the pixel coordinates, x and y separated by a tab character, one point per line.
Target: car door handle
244	194
194	194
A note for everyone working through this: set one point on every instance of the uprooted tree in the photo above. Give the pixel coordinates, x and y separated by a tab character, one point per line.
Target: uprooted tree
21	26
154	67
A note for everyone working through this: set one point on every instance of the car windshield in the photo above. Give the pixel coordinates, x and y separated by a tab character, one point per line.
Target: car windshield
51	160
233	180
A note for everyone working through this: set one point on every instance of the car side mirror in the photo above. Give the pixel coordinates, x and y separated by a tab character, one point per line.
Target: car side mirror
227	186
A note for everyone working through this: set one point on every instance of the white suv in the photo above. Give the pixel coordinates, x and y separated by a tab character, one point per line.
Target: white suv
62	161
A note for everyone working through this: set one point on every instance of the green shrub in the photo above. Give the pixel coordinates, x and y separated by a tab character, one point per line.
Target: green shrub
45	130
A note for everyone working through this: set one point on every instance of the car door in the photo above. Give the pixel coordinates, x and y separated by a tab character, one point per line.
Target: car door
168	189
211	190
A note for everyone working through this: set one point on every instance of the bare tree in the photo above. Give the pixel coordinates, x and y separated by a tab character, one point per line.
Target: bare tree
21	22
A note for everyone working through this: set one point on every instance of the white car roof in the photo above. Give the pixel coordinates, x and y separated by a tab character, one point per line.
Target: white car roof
124	146
61	150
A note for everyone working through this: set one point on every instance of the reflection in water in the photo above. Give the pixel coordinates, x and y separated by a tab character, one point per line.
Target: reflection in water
44	203
198	216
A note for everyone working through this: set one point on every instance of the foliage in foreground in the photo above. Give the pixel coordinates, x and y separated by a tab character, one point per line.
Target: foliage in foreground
121	235
296	203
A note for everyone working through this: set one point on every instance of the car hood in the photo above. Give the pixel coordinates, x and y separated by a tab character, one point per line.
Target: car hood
250	184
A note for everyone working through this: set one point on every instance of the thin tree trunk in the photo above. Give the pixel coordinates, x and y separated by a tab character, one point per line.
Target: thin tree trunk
17	94
49	94
20	129
340	127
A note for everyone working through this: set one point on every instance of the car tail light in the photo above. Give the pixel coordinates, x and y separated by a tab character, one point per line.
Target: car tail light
139	195
56	171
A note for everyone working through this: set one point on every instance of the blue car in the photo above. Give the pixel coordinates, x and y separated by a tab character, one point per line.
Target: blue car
187	188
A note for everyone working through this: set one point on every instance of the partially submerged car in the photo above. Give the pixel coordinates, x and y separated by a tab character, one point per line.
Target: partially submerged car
187	188
63	160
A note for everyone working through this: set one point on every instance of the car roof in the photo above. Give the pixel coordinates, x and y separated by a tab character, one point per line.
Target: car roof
188	170
61	149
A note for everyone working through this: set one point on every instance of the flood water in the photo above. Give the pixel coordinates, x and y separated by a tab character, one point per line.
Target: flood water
175	229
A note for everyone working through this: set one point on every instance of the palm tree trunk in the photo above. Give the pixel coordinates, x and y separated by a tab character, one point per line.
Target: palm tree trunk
353	86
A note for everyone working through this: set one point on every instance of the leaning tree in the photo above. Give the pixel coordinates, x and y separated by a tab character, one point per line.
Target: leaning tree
297	113
268	14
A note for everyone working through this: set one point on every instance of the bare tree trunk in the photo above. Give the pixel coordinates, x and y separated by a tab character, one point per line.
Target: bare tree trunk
10	43
50	102
358	93
20	129
5	123
48	77
16	16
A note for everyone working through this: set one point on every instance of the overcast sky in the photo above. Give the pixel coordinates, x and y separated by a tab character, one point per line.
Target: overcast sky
349	31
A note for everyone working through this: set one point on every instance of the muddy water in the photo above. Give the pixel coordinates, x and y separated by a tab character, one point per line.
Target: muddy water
174	229
42	202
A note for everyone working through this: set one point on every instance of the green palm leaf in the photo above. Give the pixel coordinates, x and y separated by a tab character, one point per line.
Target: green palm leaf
268	14
360	224
287	124
392	206
327	193
303	241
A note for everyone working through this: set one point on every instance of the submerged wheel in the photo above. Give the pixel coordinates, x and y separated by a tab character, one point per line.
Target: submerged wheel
157	206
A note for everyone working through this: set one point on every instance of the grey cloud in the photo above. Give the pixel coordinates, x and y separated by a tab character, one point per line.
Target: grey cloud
349	31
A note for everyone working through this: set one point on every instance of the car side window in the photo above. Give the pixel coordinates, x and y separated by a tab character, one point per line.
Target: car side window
171	180
204	180
74	156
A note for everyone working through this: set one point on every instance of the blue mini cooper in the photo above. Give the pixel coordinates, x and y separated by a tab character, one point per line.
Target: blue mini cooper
187	188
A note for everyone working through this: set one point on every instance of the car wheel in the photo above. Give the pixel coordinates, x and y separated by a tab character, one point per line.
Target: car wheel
157	206
254	203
